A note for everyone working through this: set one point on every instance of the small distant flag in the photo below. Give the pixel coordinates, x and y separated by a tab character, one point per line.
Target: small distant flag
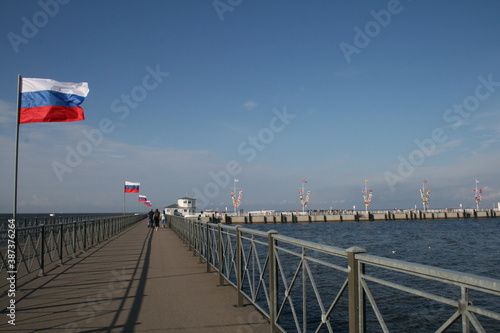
425	181
46	100
236	180
142	198
131	187
304	181
477	181
148	203
366	180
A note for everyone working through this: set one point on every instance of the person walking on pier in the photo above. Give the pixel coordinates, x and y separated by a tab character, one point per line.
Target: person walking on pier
150	218
156	217
163	220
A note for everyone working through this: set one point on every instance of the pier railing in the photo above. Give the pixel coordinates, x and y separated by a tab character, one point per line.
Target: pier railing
303	286
40	245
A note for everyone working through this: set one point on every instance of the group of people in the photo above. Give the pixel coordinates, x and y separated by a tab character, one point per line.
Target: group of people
154	219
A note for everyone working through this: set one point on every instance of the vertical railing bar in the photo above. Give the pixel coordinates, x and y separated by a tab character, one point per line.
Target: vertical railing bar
239	268
354	287
208	246
464	301
220	261
61	243
304	293
273	292
42	252
84	245
74	240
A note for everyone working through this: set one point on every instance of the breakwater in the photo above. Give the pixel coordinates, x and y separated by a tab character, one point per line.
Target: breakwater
293	217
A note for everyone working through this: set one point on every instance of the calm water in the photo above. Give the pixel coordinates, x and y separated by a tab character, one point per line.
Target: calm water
465	245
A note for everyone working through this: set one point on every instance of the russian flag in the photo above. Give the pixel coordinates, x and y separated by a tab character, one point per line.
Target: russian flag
46	100
131	187
142	198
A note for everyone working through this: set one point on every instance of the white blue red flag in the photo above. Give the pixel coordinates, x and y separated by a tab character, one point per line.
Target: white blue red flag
46	100
142	198
131	187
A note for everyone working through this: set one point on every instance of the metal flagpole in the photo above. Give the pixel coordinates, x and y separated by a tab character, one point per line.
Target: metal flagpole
12	269
19	89
423	195
234	196
303	206
366	195
476	196
123	198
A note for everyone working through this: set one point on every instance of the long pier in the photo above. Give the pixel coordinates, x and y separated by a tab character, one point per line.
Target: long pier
349	216
137	280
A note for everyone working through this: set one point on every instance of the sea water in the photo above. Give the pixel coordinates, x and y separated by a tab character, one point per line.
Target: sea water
463	245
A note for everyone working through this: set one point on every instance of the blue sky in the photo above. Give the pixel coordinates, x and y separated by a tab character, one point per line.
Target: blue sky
186	96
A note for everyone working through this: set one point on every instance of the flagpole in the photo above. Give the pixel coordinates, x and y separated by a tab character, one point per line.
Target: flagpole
234	196
476	196
123	198
13	269
19	88
366	194
423	195
303	194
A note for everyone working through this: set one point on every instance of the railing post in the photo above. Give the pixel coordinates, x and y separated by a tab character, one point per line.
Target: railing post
100	234
356	307
199	244
74	240
84	236
220	254
273	281
92	234
61	238
239	268
209	250
42	251
462	307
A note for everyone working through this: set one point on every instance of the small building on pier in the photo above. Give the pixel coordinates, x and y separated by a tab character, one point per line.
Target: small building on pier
184	206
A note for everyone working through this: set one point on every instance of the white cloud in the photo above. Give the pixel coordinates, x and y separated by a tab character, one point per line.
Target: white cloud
487	143
444	147
250	105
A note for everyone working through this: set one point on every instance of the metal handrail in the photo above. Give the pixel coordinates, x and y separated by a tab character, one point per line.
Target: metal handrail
302	286
45	244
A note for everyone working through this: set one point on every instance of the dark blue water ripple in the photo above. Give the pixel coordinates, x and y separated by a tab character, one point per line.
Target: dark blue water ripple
463	245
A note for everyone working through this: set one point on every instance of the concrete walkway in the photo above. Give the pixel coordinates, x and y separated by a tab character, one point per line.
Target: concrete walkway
137	281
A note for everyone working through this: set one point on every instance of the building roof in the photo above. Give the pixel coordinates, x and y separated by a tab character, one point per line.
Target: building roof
174	206
187	198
